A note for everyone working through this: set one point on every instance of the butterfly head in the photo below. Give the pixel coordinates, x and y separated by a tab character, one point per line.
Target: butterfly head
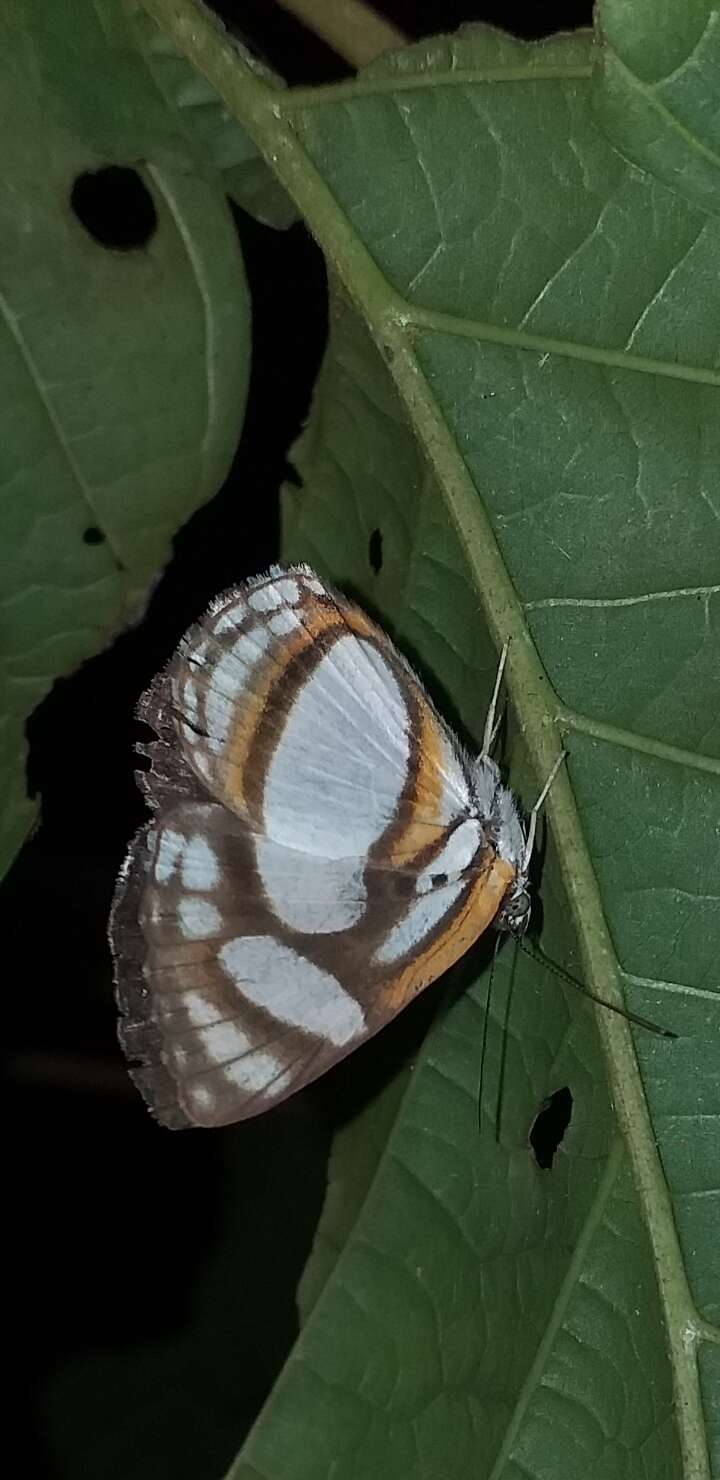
514	913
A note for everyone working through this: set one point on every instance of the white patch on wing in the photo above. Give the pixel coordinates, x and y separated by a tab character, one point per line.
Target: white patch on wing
288	590
190	699
340	764
279	593
316	895
199	653
457	854
229	1048
291	988
456	795
265	599
199	919
201	1097
283	622
230	618
424	914
259	1073
314	585
227	681
199	1010
170	850
202	764
200	868
223	1041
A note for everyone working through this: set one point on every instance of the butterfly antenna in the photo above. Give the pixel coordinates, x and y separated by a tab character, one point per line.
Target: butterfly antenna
491	726
532	820
564	976
502	1069
486	1025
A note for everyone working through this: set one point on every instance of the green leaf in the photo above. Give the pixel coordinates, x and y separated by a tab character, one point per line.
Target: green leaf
357	1148
211	139
122	370
658	70
518	413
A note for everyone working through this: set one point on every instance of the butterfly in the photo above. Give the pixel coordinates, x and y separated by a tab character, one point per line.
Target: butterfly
321	849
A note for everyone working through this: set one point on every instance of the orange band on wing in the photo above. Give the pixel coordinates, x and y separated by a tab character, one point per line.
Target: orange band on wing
427	803
478	911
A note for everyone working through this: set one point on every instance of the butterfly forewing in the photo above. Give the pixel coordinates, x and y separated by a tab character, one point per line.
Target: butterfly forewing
312	863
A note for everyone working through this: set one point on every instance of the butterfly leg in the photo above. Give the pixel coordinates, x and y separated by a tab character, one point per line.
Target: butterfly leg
491	724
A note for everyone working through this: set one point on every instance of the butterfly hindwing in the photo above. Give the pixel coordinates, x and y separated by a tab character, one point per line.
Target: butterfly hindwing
259	969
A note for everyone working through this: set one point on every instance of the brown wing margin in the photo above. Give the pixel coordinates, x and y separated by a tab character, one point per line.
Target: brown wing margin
140	1038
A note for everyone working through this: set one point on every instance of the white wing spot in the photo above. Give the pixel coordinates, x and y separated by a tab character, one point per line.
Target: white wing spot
269	598
251	646
199	1010
201	1097
288	590
291	988
228	680
190	699
341	758
199	866
170	850
230	618
223	1041
458	854
283	622
327	895
266	599
259	1073
316	586
199	919
423	915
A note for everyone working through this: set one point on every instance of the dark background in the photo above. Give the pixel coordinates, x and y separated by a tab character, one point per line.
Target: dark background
151	1274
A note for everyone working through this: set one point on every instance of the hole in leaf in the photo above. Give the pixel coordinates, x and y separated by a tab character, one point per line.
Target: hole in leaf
375	555
115	207
549	1126
93	536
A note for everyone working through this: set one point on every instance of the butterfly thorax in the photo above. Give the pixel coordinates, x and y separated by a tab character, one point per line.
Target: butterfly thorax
506	835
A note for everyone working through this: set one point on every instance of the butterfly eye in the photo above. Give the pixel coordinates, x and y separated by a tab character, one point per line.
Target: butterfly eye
515	914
